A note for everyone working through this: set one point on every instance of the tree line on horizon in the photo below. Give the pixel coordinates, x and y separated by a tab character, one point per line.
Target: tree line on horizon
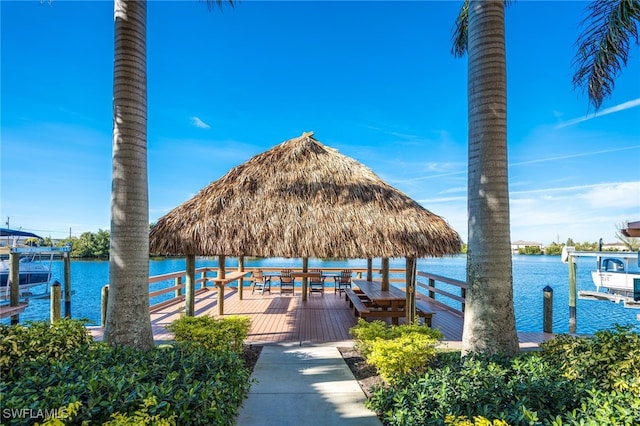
90	245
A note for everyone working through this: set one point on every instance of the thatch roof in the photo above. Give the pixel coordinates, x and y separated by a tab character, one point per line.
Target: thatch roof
302	199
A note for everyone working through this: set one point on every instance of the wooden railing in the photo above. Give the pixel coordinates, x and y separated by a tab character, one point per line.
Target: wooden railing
202	281
206	276
440	296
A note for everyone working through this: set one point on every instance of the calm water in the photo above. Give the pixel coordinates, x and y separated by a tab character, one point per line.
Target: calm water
531	275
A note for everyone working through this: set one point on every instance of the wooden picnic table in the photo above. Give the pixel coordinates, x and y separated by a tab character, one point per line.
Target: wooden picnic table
391	302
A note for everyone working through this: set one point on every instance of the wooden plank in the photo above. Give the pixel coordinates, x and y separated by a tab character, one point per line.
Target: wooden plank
7	311
230	277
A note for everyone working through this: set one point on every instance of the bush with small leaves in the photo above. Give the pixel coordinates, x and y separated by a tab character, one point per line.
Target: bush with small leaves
572	381
477	421
409	353
395	350
41	340
228	333
610	358
184	382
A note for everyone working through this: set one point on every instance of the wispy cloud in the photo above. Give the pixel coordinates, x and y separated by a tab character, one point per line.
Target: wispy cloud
197	122
579	154
586	212
621	107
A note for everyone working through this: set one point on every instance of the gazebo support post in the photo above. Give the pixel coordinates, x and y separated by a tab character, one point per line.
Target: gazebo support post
369	269
220	284
305	268
385	274
410	278
190	286
241	280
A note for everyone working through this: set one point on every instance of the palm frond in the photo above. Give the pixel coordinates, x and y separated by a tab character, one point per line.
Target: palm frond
603	46
460	31
220	3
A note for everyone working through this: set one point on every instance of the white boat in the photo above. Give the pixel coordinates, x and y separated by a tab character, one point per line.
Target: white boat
616	276
34	265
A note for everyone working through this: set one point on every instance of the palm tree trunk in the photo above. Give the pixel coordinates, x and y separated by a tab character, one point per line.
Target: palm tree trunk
489	323
128	321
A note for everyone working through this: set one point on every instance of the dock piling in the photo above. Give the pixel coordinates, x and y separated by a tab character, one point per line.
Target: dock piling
572	295
105	300
547	294
67	284
56	299
14	284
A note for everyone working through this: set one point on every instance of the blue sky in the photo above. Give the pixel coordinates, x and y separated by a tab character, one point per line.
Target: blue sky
375	80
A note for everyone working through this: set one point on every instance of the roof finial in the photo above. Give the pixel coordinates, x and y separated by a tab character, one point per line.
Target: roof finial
305	134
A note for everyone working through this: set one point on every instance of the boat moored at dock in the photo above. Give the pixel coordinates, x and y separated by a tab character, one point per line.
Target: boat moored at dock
34	265
616	276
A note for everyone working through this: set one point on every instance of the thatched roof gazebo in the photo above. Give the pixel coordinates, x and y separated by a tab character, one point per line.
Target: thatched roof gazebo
302	199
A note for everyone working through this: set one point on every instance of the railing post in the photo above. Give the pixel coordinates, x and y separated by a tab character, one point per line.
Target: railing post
432	283
572	295
104	305
547	322
369	269
178	283
220	285
463	294
56	298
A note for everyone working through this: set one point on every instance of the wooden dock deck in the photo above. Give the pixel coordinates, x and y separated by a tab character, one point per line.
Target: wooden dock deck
275	318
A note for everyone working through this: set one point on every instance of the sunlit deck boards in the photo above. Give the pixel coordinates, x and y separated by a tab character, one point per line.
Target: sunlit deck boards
285	318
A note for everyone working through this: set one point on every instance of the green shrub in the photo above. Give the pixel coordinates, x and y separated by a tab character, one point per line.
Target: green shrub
228	333
181	383
63	416
572	381
610	357
141	416
395	350
477	421
41	340
411	352
516	391
365	333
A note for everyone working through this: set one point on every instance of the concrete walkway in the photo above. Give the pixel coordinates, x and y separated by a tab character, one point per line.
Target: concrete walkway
304	385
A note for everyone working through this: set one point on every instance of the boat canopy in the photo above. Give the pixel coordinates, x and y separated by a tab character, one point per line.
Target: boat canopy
6	232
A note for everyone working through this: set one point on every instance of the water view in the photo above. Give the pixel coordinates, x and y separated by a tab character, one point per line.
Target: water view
531	275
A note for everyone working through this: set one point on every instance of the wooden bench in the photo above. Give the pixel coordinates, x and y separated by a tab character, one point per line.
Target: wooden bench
423	310
355	302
